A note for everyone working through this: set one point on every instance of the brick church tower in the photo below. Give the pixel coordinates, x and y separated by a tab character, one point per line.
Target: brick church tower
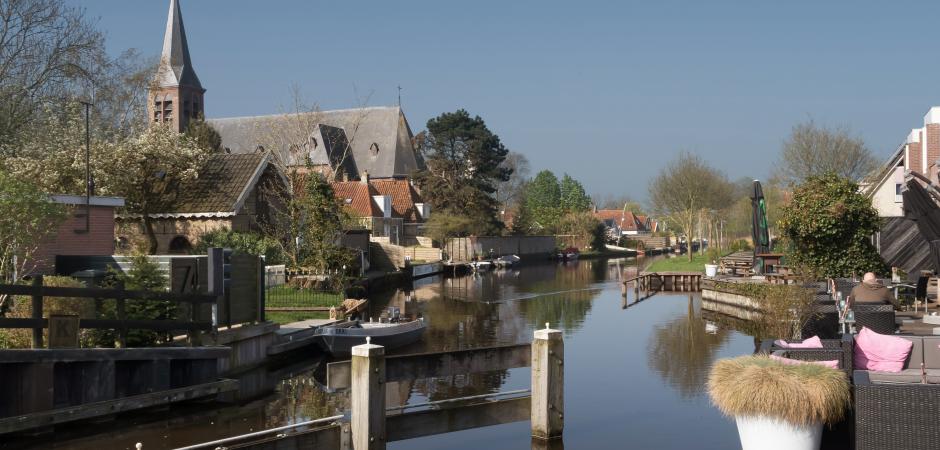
176	96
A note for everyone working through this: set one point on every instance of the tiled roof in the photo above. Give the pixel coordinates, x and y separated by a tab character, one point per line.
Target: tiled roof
357	196
223	184
629	221
380	137
404	196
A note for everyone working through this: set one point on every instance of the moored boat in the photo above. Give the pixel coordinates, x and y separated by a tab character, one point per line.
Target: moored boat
507	261
339	339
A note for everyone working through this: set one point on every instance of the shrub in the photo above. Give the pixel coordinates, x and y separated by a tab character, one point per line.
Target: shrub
801	394
247	243
143	275
21	307
828	225
784	308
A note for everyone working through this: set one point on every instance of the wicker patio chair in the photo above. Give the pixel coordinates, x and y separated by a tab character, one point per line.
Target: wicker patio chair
877	318
841	350
899	415
824	323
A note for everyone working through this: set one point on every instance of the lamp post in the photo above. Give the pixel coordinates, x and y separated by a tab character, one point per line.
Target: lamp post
89	187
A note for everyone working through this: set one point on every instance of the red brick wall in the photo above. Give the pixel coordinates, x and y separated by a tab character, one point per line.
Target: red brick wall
932	141
914	151
98	241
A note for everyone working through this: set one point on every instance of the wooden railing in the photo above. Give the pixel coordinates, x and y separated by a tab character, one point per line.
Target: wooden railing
193	324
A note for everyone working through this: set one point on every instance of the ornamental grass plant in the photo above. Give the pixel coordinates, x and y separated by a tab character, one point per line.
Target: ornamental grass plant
758	386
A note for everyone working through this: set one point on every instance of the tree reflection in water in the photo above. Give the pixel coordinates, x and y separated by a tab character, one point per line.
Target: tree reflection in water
682	351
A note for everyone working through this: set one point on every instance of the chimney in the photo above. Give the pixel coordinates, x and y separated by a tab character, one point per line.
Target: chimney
931	139
912	152
365	177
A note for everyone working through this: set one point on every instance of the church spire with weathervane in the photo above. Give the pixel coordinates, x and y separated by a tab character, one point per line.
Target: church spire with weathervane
176	95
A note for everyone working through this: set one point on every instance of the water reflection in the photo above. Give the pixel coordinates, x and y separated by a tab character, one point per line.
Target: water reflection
681	351
497	308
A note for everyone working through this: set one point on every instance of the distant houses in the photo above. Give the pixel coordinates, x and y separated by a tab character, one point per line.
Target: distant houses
620	222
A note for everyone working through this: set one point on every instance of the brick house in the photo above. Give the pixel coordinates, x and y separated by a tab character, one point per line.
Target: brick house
78	234
392	208
622	223
232	193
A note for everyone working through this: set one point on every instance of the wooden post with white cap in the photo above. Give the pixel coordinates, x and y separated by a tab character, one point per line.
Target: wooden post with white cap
368	396
548	384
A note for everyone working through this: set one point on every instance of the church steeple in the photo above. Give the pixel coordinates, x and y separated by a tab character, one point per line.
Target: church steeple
176	95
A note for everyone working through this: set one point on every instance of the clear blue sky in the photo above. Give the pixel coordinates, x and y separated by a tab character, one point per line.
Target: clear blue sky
607	92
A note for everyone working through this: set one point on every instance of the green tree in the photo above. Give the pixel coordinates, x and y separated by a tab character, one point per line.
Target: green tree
573	197
584	225
828	225
463	166
150	171
27	217
543	201
204	135
443	226
310	225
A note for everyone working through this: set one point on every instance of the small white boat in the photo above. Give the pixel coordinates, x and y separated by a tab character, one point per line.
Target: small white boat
481	266
507	261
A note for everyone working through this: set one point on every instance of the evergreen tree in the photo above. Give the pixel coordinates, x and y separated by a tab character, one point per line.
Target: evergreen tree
543	201
573	197
463	166
204	134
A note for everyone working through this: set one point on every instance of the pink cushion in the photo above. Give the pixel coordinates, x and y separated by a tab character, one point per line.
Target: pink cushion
832	364
813	342
880	352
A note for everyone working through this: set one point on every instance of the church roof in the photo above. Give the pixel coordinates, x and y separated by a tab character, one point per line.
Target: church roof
176	67
380	138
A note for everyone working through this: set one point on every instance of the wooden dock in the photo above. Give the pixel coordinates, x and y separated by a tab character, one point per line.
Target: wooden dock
664	281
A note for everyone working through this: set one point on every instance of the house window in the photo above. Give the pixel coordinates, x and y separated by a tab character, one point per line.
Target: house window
374	148
898	198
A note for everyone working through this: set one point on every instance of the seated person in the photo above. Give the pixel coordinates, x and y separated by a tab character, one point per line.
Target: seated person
871	292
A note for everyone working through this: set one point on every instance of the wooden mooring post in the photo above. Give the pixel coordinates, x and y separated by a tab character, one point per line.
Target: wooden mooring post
368	397
548	384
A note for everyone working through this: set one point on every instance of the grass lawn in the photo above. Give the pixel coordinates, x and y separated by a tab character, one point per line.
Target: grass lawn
284	317
680	263
286	296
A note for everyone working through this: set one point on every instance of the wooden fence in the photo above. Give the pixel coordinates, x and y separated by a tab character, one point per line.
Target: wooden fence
220	288
193	324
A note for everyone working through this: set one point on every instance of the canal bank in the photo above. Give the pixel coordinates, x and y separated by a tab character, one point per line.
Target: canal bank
633	397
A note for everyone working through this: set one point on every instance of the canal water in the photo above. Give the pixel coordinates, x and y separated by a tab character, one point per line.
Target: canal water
634	370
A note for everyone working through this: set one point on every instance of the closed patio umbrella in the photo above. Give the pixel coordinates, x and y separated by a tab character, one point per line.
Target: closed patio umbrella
759	231
923	210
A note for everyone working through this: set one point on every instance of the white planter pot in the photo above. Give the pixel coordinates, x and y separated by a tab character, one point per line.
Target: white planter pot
764	433
711	270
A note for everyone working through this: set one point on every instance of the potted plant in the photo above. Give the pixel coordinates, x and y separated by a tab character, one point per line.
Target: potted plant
778	405
711	269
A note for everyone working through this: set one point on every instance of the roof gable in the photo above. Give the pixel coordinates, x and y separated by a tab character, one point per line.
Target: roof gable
403	194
